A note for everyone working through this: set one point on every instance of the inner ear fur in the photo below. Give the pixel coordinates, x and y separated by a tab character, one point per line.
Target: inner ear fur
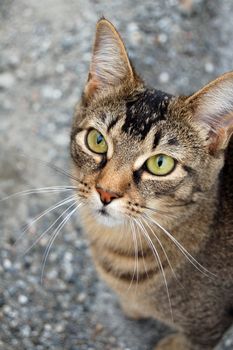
110	65
212	111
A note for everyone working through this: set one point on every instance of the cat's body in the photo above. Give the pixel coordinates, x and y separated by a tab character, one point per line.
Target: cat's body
163	242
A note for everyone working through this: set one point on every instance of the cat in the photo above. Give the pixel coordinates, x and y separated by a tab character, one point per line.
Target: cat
155	175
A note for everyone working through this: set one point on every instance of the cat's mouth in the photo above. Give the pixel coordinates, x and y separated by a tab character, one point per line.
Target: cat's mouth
107	217
104	217
110	214
103	212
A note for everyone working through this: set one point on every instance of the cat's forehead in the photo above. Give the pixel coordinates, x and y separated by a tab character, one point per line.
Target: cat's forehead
133	115
144	111
135	123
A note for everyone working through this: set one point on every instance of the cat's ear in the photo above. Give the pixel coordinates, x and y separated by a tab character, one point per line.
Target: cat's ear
212	108
110	64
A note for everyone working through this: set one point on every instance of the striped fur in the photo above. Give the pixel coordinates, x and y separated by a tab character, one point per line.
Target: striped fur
164	244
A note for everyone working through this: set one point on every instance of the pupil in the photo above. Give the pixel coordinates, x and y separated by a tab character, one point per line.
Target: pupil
99	139
160	161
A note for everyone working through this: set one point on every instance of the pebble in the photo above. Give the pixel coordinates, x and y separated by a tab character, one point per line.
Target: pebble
164	77
7	80
25	330
60	68
134	33
59	328
7	264
81	297
229	342
209	67
68	43
164	23
162	38
68	271
61	139
149	60
51	93
52	274
7	310
186	6
132	27
98	328
43	242
47	327
68	256
13	60
22	299
45	45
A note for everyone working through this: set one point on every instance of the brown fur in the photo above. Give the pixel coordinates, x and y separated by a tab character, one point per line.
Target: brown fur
193	203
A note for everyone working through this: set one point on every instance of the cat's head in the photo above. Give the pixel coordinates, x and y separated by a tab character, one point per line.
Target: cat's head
136	148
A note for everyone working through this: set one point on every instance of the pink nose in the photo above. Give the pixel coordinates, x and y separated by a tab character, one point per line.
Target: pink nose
106	196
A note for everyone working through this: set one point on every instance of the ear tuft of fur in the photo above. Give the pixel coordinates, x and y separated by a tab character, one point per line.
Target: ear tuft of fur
213	110
110	65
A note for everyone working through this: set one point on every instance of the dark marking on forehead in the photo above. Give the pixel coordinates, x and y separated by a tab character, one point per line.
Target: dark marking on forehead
112	123
173	142
144	111
157	138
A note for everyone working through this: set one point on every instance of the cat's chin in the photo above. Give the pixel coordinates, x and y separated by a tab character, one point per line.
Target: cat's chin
104	218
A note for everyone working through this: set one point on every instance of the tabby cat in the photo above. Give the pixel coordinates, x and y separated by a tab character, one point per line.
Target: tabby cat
155	175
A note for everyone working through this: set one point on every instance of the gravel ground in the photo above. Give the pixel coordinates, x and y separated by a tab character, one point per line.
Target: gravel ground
45	49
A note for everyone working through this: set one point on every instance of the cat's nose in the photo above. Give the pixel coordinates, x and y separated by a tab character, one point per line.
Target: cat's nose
106	196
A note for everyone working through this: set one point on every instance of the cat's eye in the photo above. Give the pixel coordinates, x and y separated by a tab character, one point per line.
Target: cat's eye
96	142
160	164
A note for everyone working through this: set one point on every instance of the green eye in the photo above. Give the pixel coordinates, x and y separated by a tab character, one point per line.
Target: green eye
96	142
160	164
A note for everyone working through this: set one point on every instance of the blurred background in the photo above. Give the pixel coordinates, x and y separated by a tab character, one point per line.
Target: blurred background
45	48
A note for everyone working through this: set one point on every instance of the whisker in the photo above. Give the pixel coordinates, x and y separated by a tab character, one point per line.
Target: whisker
39	191
45	212
140	240
163	249
135	252
49	228
137	257
185	204
53	167
160	211
156	254
190	258
54	236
